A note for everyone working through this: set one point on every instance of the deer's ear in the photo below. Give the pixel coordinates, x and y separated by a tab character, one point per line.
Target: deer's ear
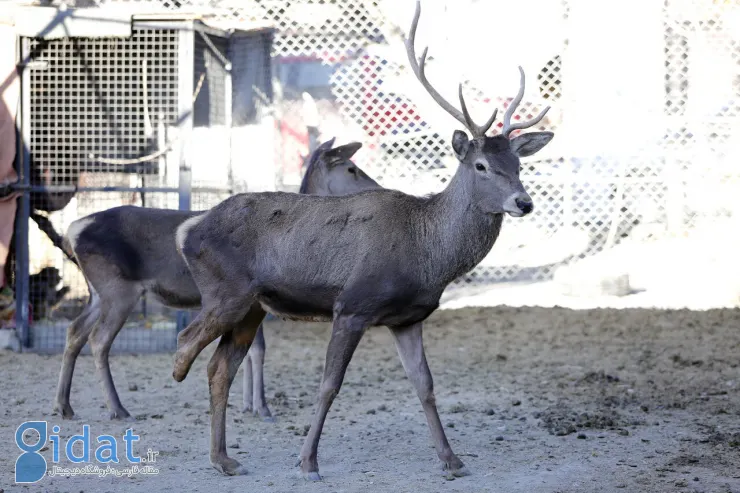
343	153
325	146
460	144
528	144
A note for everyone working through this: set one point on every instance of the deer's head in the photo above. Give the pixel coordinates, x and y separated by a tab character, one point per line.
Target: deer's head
490	164
331	171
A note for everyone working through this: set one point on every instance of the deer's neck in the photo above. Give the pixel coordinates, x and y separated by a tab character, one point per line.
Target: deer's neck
461	233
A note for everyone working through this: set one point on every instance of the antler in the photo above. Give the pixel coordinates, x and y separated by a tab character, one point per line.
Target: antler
418	67
508	126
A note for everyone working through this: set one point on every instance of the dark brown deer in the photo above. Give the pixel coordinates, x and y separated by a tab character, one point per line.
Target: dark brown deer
125	250
379	257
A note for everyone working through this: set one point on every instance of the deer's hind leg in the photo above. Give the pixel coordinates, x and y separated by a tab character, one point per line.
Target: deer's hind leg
222	369
226	298
113	314
77	336
216	318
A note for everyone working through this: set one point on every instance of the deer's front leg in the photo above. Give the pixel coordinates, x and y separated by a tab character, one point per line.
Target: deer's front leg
411	350
345	336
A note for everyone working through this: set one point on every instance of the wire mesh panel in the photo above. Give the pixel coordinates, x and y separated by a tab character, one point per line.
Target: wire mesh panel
97	105
105	115
646	125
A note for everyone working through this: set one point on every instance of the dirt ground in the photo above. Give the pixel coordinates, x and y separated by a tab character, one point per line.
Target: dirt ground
533	400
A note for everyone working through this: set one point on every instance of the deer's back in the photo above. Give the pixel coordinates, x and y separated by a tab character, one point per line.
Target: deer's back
136	245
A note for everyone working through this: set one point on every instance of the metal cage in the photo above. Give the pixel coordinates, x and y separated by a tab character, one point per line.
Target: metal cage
108	121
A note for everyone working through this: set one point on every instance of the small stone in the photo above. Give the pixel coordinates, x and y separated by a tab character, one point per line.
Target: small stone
681	483
187	405
490	412
581	436
644	408
499	438
623	432
516	402
234	445
157	416
371	411
450	425
132	387
382	407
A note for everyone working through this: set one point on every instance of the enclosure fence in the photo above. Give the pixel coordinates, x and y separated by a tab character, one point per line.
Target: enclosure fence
644	96
646	125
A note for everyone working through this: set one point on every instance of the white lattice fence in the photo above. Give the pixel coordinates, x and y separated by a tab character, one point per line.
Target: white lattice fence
646	118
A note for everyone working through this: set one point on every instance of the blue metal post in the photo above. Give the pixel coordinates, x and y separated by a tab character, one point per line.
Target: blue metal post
23	213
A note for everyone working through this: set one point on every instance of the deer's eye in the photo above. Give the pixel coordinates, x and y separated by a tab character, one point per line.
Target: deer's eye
352	170
480	166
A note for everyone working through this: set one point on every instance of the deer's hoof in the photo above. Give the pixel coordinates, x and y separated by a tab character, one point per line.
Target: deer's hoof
455	467
183	362
229	466
309	469
121	415
264	413
457	473
65	411
312	476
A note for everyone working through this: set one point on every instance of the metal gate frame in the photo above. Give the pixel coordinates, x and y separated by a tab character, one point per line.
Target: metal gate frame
187	30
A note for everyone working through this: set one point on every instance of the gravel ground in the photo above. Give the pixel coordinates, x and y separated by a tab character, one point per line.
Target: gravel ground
533	400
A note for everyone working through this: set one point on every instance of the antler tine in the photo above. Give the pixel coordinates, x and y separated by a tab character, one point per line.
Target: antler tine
418	68
508	126
468	120
476	130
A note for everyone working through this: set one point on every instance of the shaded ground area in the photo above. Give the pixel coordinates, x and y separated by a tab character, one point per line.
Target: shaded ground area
533	400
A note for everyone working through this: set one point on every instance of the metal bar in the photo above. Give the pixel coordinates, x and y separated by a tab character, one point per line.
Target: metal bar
228	119
20	187
23	213
185	68
224	61
72	188
186	74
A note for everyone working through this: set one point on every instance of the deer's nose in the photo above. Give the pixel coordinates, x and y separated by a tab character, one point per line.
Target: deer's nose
525	206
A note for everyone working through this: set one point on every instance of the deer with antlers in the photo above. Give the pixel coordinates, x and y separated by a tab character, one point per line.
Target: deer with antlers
379	257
